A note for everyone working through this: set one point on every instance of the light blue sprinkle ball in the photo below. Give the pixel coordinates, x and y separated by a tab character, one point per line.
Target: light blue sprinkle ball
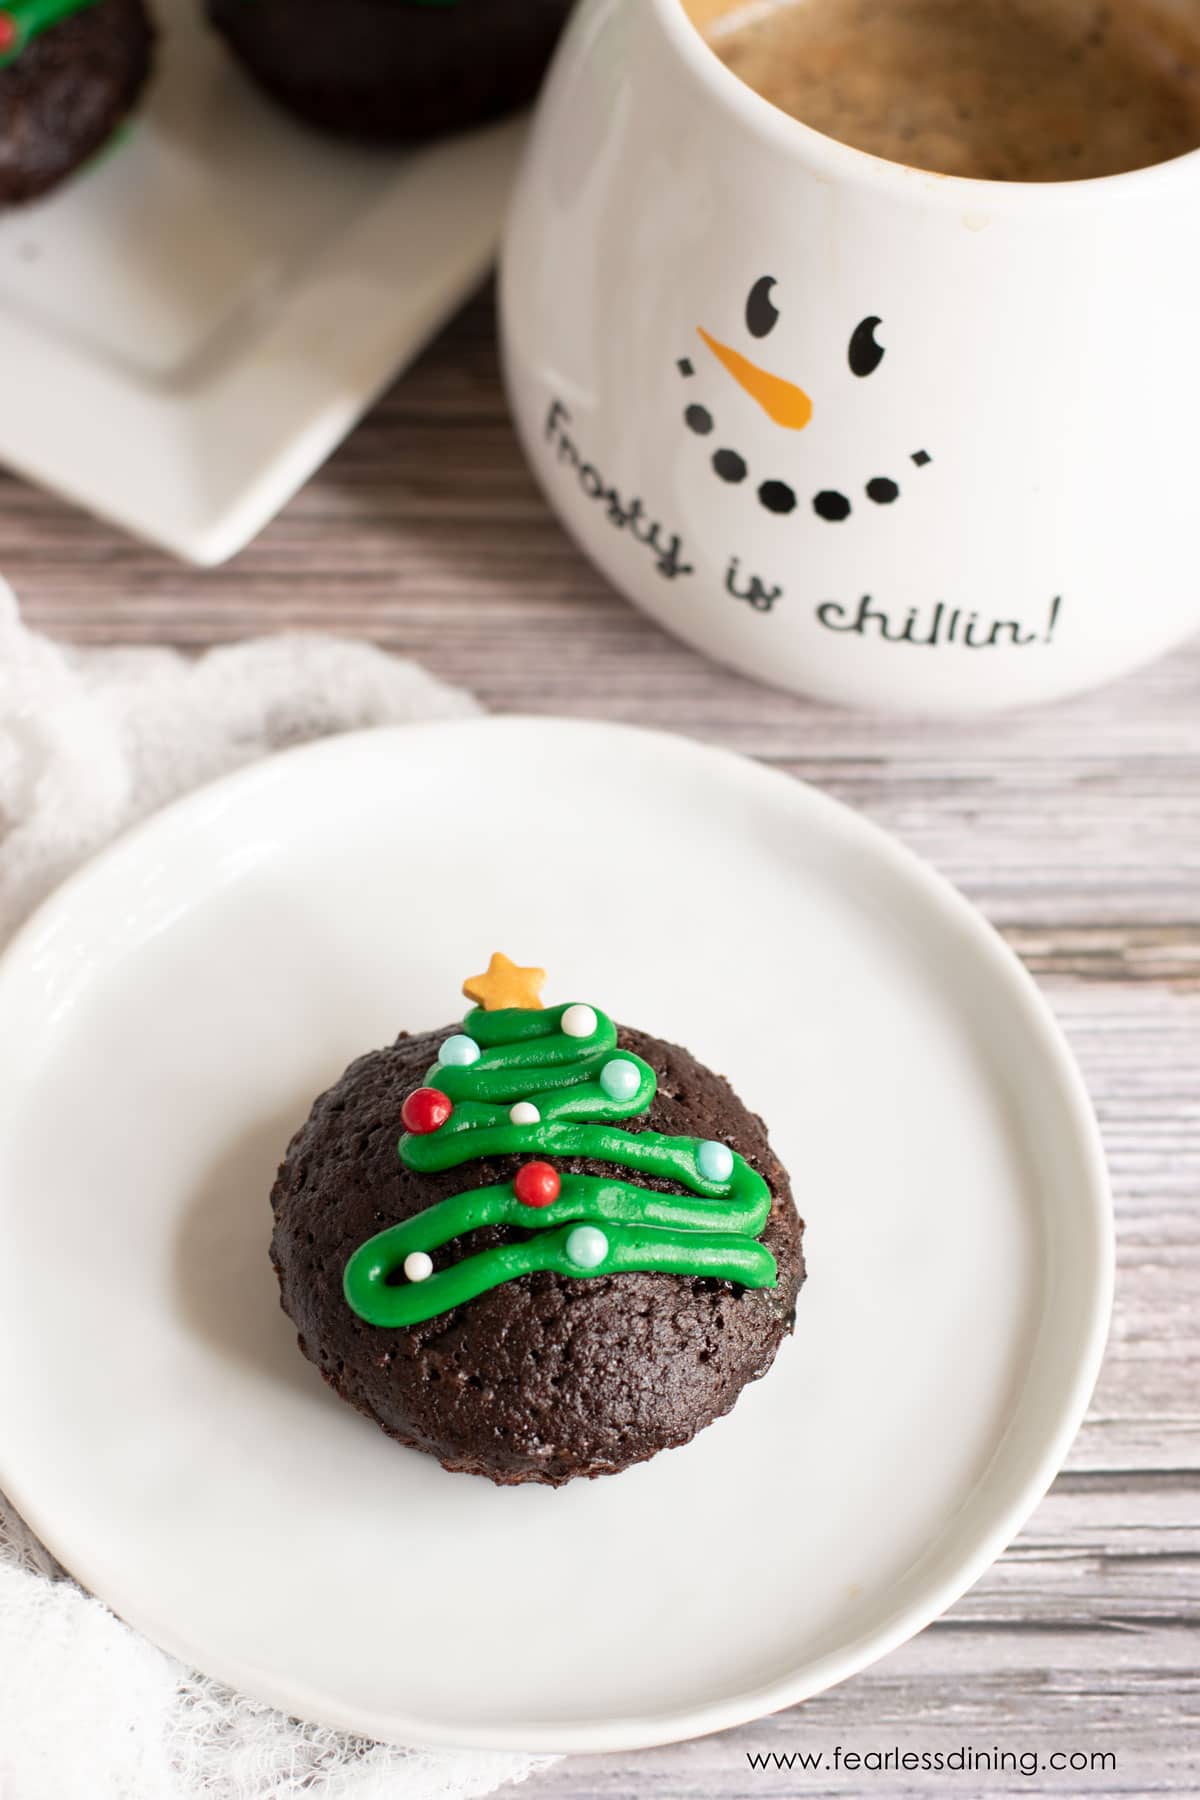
714	1161
458	1051
620	1078
587	1246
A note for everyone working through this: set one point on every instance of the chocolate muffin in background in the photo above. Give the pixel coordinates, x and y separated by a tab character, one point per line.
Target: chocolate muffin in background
70	74
393	71
583	1251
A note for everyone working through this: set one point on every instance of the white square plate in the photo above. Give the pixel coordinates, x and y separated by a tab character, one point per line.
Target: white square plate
190	326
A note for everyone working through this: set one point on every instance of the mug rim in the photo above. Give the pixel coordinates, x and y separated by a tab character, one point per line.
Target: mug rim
834	159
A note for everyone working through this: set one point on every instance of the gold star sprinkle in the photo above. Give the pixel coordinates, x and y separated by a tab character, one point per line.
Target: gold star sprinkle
505	985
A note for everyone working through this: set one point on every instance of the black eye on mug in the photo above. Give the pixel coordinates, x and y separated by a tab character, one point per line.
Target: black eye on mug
864	354
761	315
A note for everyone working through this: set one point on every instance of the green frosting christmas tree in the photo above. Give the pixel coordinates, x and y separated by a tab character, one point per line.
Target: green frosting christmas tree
523	1080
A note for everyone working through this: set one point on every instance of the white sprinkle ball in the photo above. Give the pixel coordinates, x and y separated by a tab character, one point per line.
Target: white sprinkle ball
715	1161
579	1021
418	1266
587	1247
620	1078
525	1113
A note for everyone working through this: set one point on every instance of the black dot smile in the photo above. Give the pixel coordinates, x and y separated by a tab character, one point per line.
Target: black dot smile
831	505
778	496
729	465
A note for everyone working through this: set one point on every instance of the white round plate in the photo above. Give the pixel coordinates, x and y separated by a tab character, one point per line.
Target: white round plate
166	1020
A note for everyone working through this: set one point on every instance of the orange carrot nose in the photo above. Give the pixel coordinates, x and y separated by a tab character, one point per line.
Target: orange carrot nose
781	400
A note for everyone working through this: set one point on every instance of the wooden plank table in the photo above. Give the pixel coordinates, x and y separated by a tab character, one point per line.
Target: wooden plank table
1076	829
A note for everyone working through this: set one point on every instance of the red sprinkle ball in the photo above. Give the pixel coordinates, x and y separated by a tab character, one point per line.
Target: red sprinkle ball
537	1184
425	1110
9	34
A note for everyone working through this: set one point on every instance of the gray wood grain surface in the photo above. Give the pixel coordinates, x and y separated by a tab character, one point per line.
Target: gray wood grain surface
1076	829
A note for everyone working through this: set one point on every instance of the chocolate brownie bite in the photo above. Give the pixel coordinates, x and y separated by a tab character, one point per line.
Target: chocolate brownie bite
71	72
393	71
537	1245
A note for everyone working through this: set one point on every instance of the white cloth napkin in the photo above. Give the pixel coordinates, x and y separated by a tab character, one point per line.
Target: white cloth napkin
91	740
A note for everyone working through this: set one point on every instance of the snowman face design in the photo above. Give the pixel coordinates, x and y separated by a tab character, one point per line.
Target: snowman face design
788	407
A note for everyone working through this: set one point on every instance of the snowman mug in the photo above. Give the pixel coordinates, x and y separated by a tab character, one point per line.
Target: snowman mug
888	438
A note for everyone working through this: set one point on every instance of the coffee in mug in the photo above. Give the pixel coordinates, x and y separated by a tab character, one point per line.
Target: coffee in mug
1001	90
